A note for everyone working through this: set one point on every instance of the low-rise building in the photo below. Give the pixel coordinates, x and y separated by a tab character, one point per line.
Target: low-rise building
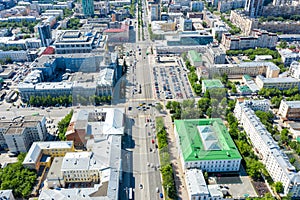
99	169
211	84
289	110
41	153
276	162
269	69
282	83
206	144
195	58
84	123
196	184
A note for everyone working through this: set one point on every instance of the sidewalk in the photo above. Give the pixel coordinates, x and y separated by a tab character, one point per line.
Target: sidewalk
174	156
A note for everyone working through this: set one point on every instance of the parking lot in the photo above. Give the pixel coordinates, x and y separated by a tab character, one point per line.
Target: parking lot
171	82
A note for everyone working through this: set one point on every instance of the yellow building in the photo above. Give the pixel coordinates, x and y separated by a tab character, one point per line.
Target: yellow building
42	153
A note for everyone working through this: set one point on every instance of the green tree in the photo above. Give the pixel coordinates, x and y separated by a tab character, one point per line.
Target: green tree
63	125
278	187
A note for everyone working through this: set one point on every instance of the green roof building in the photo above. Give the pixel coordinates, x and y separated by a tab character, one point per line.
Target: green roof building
211	84
207	145
195	58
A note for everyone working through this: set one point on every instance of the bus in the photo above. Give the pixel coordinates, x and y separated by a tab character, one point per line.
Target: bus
130	194
35	114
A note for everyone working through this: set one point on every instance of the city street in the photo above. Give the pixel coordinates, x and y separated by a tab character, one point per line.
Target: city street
140	156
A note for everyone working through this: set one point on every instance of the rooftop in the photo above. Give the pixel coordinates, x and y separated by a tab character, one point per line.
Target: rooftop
292	104
37	147
195	182
196	57
212	83
278	80
205	139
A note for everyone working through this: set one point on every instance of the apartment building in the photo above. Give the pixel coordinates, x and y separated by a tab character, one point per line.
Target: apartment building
206	144
41	153
294	70
18	134
276	162
227	5
259	39
289	110
282	83
288	56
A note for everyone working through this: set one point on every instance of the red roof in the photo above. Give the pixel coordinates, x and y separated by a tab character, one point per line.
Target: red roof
48	50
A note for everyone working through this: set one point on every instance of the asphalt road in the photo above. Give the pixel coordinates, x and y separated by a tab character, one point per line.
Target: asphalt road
140	165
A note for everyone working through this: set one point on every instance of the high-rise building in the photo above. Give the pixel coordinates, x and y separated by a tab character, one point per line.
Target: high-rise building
88	7
254	7
44	30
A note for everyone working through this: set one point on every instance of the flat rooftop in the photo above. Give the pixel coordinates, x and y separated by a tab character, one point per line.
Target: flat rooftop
205	139
212	83
293	104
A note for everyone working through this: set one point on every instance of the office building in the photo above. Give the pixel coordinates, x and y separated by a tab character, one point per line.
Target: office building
275	160
41	153
206	144
88	8
254	8
196	6
18	134
196	184
211	84
45	34
289	110
282	83
189	38
74	41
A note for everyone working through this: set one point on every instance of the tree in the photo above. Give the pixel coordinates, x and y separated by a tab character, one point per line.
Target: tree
63	125
278	187
19	179
283	45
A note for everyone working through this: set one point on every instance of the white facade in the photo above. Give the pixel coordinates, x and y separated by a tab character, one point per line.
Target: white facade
289	110
276	162
196	185
294	70
18	136
214	165
80	167
281	83
18	56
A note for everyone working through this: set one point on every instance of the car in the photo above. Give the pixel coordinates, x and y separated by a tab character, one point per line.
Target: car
129	108
141	186
161	195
